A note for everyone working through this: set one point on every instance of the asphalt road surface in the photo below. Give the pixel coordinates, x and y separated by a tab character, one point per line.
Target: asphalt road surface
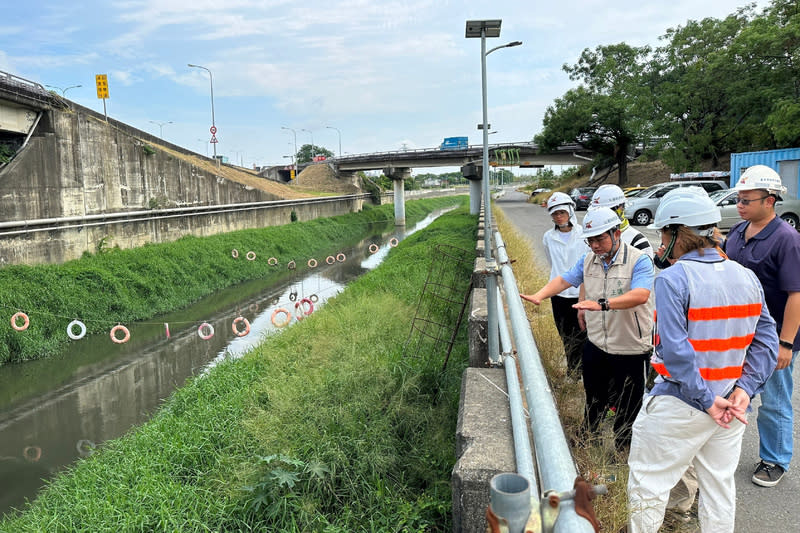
758	509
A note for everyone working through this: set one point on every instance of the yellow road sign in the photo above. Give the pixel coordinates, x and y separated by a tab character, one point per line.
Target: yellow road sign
101	81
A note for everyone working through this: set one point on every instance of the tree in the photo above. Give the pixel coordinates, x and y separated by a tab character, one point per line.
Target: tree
707	101
609	112
770	47
306	153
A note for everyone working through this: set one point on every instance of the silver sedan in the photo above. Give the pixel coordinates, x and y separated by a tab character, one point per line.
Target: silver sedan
788	209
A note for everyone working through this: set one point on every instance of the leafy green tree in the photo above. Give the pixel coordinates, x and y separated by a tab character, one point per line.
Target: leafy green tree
770	47
609	112
306	153
707	101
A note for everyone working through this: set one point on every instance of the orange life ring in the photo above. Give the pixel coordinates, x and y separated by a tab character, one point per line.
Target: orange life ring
166	329
330	260
235	327
235	253
373	248
125	337
312	263
272	261
393	242
278	311
25	321
251	256
341	257
209	327
32	453
291	265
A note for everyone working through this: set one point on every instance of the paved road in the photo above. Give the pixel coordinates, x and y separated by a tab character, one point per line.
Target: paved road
773	510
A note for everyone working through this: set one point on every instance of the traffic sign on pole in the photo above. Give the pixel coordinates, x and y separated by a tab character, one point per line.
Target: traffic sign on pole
213	130
213	139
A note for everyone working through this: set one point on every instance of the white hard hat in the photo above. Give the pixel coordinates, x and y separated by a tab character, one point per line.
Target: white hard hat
608	195
559	201
599	220
686	206
760	177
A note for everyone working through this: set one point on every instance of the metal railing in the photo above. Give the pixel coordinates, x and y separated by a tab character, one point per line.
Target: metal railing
555	471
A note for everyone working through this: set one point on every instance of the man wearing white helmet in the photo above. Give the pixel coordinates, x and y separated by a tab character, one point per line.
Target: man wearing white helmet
771	248
563	246
611	196
617	279
716	346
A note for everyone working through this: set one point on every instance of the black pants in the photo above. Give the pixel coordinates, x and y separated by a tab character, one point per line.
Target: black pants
613	381
566	319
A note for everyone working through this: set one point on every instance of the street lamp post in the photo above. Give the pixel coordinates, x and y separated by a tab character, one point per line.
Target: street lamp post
64	90
340	138
484	29
161	127
313	152
294	134
213	123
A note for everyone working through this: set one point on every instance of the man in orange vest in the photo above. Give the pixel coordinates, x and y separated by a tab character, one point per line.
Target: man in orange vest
716	346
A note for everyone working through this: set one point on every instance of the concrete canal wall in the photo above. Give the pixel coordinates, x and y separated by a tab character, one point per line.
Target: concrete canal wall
77	168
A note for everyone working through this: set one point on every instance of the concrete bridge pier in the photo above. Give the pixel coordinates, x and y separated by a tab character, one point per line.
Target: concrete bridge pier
472	172
398	175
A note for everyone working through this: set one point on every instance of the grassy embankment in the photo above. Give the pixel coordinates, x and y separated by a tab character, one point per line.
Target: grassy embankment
122	286
325	427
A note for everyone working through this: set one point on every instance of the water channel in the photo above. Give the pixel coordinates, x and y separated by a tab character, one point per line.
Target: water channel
56	410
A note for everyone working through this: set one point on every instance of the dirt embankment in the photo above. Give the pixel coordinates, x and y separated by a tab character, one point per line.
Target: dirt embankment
646	173
314	180
322	179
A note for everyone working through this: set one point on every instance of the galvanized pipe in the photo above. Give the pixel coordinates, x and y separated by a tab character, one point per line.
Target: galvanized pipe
522	443
553	458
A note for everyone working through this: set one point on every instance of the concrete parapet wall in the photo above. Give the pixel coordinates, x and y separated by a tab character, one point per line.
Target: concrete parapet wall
477	329
484	445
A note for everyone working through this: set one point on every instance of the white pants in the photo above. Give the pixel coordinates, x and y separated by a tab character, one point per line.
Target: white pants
668	436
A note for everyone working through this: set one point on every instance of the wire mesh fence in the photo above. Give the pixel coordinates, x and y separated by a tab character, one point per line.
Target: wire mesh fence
442	303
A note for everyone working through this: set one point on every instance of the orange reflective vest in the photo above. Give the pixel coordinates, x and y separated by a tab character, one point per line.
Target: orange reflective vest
721	323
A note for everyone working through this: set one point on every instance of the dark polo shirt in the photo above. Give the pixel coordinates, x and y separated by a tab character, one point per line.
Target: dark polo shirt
773	254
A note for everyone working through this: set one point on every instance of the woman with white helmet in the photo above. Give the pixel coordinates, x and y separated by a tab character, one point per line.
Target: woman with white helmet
771	248
563	246
617	279
711	313
611	196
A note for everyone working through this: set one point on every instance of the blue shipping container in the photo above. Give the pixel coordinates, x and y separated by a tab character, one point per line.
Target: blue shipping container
786	162
455	143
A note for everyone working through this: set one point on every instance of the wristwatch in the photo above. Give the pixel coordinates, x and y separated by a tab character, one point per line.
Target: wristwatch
603	304
785	344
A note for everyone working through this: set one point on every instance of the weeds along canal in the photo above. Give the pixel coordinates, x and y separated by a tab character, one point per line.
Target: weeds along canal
56	410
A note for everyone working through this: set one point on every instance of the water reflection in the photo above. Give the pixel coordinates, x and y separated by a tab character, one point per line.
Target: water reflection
56	410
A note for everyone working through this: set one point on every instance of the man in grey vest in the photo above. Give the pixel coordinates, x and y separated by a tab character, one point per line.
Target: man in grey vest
618	280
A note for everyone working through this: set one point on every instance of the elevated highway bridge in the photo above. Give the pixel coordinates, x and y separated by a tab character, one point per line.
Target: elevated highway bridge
522	154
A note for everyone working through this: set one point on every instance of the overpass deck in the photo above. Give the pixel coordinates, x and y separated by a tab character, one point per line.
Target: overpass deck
523	154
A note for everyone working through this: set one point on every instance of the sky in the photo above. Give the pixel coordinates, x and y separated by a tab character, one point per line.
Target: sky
373	75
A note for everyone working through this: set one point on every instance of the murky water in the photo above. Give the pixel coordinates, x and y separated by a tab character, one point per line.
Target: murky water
57	410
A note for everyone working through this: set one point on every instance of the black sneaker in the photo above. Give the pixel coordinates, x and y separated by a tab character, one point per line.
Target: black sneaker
767	474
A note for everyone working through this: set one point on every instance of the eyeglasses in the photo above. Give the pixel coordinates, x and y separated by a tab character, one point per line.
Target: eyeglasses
598	239
740	200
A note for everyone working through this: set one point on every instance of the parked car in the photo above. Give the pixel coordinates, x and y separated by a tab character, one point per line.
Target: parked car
582	196
640	209
630	192
540	190
786	208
